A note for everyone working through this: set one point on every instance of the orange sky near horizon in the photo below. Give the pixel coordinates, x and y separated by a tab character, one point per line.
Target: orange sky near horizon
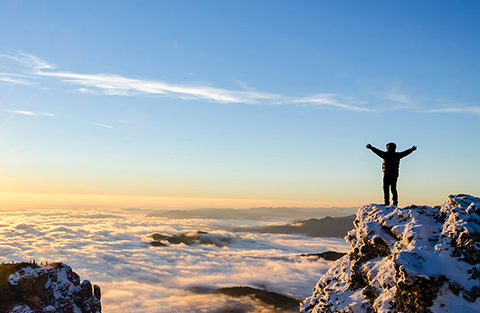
25	200
20	200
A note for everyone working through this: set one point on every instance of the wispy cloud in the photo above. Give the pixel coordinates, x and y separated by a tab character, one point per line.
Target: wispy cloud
456	109
14	80
29	61
111	84
101	125
46	114
29	113
20	112
395	96
331	100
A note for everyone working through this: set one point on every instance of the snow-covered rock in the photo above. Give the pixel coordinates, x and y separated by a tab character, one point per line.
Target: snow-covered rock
413	259
51	288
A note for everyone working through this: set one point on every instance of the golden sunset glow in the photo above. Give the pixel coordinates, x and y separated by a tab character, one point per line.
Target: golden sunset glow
42	200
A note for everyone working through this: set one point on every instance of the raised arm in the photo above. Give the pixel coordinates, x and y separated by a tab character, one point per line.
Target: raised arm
378	152
407	152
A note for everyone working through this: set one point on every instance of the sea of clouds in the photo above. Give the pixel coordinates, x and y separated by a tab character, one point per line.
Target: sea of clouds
111	249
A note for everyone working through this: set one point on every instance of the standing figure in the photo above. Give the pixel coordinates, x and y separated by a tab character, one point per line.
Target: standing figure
391	165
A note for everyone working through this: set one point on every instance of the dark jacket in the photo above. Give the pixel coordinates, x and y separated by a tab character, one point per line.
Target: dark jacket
391	160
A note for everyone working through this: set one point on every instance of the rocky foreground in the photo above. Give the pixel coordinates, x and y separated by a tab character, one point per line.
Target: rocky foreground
51	288
411	260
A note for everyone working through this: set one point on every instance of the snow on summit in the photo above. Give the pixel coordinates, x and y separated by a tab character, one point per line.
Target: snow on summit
413	259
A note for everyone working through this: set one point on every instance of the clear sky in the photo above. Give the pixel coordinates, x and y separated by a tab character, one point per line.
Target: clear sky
236	103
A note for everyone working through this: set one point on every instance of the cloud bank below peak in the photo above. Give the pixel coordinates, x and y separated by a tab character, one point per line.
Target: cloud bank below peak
111	248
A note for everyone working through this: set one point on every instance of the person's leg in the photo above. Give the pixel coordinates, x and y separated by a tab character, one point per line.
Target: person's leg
386	192
394	191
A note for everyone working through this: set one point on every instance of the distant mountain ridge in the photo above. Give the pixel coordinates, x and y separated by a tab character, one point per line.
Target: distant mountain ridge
414	259
325	227
261	213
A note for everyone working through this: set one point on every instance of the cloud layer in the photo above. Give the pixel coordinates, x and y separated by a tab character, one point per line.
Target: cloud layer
112	250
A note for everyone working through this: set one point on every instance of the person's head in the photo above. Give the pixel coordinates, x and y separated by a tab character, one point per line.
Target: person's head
391	147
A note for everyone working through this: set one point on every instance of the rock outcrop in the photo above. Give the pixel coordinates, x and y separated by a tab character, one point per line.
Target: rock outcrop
51	288
411	260
193	238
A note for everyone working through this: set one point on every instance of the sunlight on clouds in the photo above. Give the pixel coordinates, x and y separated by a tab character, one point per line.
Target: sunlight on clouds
110	248
134	297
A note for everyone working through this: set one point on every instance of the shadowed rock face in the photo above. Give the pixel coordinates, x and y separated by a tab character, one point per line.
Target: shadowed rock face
53	288
415	259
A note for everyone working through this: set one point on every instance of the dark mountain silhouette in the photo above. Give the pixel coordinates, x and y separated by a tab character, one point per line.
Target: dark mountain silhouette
262	213
329	255
277	300
325	227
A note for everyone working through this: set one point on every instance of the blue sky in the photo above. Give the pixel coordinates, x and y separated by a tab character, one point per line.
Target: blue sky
253	102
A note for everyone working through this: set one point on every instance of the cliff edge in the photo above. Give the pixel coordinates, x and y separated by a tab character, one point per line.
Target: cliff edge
51	288
411	260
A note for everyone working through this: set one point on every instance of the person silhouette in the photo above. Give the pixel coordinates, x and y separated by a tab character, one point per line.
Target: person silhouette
391	165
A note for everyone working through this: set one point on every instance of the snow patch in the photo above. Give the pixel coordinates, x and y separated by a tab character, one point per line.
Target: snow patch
413	259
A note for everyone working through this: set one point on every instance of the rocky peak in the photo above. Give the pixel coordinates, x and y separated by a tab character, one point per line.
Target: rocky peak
51	288
413	259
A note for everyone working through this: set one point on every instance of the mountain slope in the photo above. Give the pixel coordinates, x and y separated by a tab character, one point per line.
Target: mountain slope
52	288
415	259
